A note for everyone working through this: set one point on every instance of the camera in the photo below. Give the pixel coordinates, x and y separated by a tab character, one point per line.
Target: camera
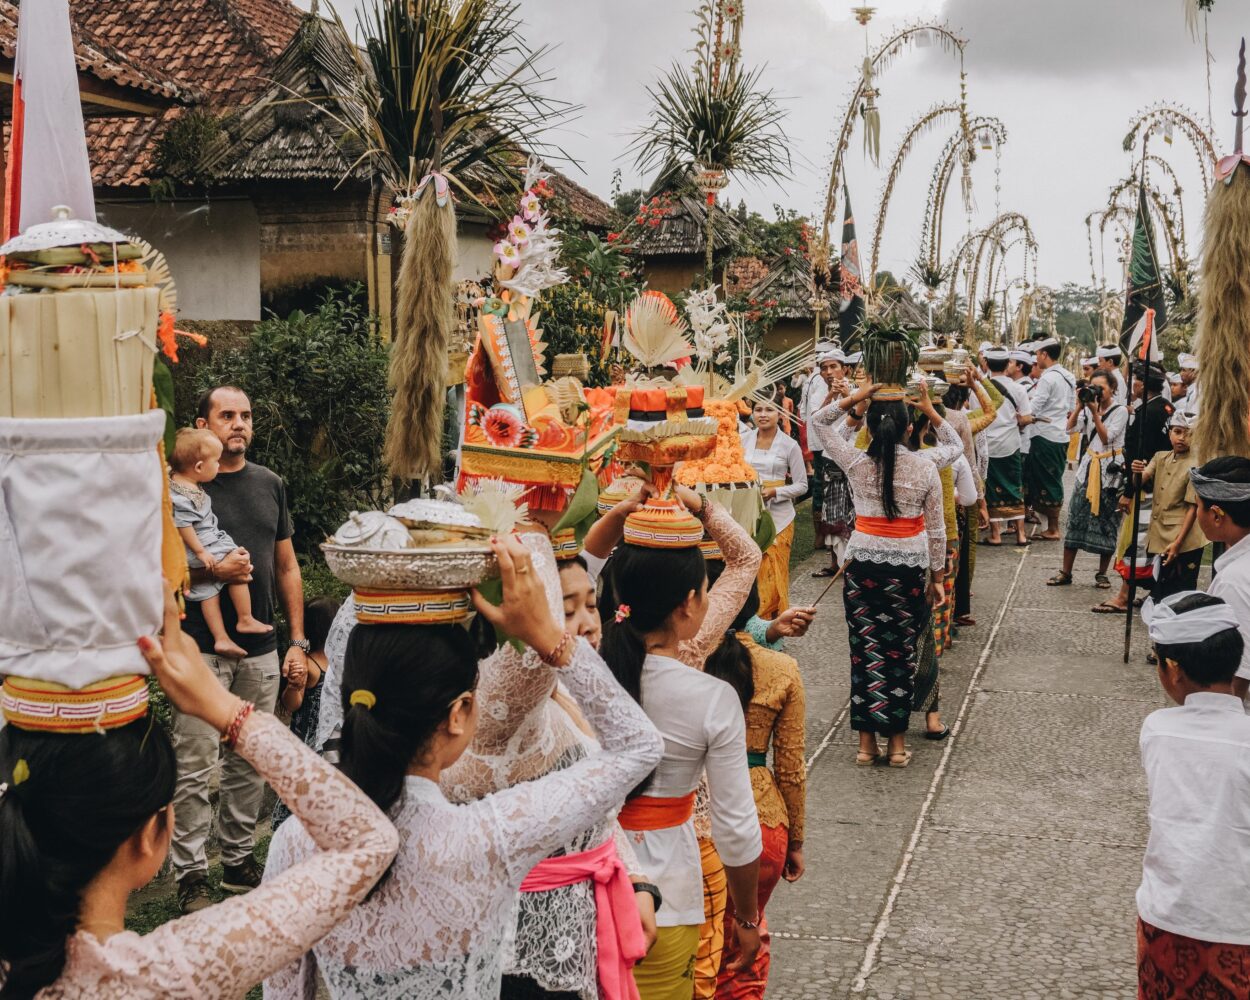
1087	394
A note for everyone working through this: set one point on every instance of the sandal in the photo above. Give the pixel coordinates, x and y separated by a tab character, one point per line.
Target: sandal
965	621
993	545
941	734
866	759
1101	581
900	759
823	574
1060	579
1107	608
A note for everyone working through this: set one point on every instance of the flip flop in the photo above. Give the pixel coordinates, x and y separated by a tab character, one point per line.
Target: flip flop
1043	538
941	734
1023	545
993	545
823	574
965	621
1107	608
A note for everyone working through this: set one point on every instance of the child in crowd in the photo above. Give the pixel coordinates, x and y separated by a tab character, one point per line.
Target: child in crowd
1174	532
197	454
1193	930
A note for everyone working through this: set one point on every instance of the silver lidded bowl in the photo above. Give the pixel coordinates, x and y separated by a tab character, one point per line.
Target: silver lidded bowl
62	231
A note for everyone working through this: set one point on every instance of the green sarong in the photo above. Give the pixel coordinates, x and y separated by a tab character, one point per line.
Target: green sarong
1004	488
1043	475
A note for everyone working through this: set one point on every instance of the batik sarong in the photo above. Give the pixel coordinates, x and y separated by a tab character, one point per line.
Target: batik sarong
1170	966
887	611
1043	475
774	575
1004	488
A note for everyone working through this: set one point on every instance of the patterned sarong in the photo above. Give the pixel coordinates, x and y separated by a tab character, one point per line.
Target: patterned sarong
1172	966
774	576
888	611
1043	475
1004	488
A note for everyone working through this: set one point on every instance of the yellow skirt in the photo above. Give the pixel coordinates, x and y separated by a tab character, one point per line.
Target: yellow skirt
775	575
712	933
667	973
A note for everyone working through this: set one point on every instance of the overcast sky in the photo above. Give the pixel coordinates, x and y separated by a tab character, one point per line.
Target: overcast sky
1064	76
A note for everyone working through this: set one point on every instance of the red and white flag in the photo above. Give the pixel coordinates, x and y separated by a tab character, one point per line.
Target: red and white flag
1143	343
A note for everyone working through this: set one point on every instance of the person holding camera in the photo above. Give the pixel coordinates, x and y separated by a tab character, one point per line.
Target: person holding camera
1093	512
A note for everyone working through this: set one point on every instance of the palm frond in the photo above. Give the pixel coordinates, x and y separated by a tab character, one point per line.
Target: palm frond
449	84
734	126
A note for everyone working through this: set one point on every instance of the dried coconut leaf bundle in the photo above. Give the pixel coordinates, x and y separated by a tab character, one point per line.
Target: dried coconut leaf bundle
424	321
1224	322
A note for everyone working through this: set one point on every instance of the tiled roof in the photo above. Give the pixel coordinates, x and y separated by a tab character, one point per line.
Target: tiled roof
93	55
742	273
223	49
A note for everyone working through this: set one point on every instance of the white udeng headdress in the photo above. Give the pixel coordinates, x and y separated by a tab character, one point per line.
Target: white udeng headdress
1172	628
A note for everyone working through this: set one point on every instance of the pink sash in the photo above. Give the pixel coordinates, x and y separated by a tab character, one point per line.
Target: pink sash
618	930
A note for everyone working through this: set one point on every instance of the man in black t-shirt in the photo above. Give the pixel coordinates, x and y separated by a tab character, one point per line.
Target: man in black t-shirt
250	503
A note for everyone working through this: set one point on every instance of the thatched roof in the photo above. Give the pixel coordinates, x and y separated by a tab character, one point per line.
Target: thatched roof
681	229
789	282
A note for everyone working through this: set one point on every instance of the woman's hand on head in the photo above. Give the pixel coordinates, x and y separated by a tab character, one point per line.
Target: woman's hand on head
524	613
185	678
691	500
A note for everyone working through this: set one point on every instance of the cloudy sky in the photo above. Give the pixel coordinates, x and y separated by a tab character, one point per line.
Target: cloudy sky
1064	76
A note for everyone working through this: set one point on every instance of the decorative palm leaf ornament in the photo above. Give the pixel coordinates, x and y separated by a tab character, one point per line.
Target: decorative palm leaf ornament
1223	426
446	93
714	117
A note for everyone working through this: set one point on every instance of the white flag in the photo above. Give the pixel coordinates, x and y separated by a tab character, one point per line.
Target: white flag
1144	344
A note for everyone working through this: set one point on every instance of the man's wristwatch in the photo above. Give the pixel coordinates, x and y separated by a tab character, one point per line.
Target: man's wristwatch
303	644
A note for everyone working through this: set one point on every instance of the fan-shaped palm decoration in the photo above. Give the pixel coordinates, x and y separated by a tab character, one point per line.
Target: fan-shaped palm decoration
159	275
446	92
655	334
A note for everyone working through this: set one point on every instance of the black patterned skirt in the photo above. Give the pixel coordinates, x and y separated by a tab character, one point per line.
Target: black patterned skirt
888	615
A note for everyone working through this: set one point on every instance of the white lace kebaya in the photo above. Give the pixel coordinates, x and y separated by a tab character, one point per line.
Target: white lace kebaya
917	492
522	734
434	928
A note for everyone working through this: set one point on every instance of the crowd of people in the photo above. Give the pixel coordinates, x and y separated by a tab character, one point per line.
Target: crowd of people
603	807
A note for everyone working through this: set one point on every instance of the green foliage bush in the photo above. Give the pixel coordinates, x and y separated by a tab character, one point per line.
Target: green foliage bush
317	382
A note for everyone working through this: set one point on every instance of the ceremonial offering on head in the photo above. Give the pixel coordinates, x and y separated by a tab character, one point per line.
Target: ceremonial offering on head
889	354
520	426
416	563
86	534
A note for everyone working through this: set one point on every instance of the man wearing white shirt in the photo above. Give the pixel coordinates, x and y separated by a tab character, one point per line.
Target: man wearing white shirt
1223	489
1193	904
1189	379
1109	356
1053	399
1004	483
830	369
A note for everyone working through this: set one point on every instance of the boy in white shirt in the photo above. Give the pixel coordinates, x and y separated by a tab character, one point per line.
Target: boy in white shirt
1193	905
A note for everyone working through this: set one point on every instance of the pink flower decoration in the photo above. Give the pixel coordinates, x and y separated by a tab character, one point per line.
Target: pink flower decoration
518	231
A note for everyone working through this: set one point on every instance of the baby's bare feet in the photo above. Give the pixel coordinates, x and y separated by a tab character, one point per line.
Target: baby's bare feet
231	650
250	626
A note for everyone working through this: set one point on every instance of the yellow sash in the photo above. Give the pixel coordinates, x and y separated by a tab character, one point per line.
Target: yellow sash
1093	483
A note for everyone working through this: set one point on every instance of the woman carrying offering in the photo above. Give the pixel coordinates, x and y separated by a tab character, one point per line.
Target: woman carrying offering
771	691
899	532
85	820
778	461
658	623
436	925
1093	511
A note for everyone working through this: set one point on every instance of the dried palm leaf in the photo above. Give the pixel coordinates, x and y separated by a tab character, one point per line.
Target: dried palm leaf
655	334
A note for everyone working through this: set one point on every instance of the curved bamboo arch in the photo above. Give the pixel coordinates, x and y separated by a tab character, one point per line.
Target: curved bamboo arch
922	124
996	232
1146	122
939	183
880	61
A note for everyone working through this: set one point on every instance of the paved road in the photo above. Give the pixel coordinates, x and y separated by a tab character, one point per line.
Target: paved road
1003	862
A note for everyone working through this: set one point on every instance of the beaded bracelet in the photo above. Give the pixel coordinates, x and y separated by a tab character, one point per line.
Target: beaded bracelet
231	735
552	659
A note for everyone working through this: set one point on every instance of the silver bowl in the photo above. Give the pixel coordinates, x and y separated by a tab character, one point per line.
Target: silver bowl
417	569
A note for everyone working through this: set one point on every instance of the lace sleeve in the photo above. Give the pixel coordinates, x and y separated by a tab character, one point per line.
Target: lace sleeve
935	520
725	599
830	432
535	817
948	448
238	942
513	685
789	769
330	716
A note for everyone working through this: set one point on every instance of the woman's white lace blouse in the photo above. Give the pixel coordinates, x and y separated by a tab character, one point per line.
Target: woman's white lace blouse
434	928
917	493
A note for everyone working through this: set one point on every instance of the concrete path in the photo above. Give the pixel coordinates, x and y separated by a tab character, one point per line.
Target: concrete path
1003	862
